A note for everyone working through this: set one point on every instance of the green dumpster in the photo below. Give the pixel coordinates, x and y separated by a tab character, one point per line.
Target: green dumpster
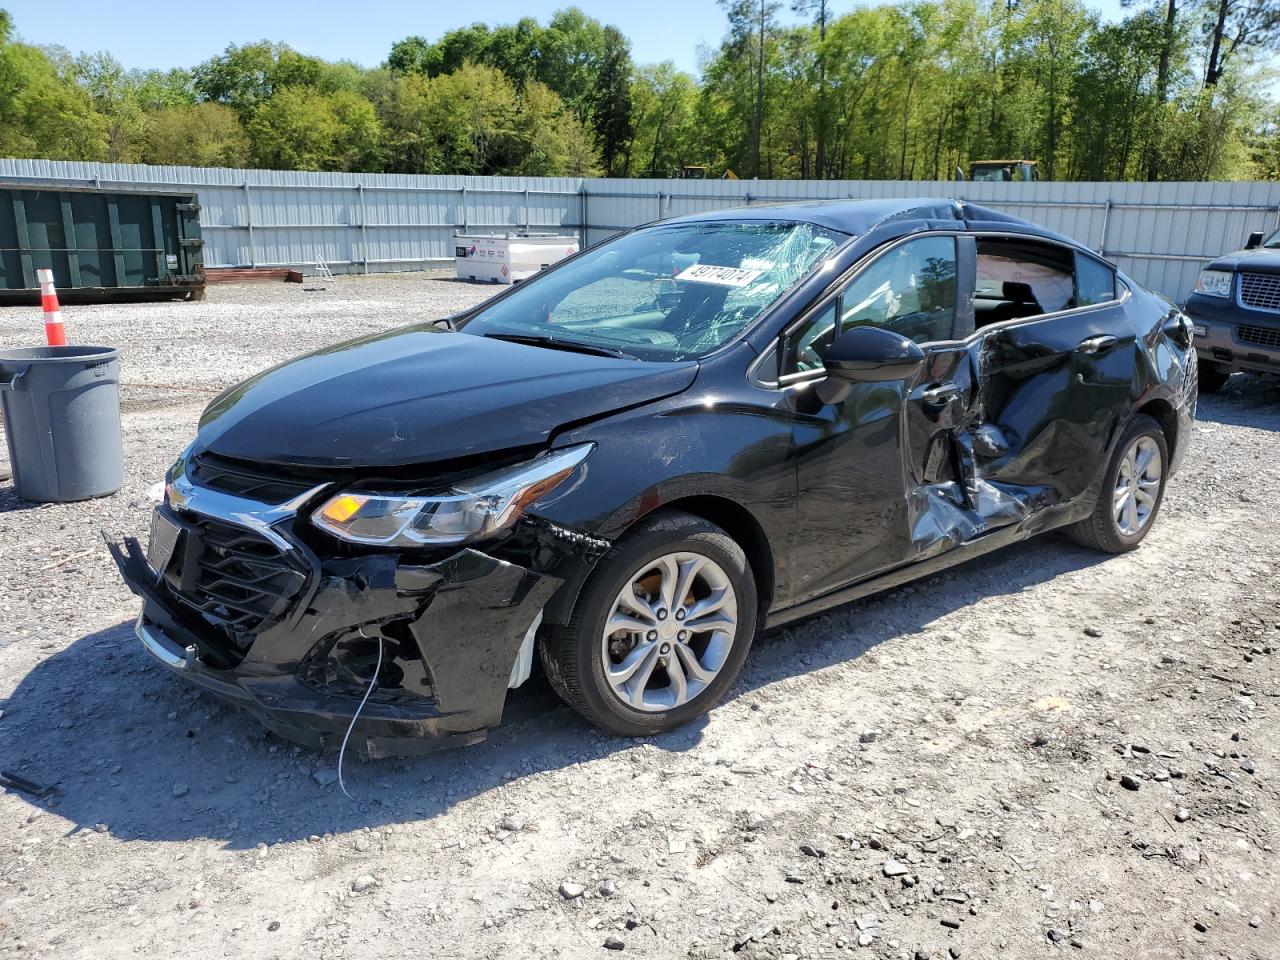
100	245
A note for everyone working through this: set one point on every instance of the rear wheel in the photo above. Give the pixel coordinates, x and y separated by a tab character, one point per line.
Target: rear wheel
1132	490
1212	377
661	629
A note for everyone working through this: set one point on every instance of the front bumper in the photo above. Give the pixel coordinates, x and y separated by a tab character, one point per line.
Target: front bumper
450	632
1235	337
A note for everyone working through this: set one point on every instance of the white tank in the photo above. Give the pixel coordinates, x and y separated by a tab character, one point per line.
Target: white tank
508	258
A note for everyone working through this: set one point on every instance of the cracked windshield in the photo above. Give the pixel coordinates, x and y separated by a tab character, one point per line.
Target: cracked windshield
665	293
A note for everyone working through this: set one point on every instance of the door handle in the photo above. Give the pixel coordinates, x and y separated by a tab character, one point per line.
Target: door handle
940	393
1096	344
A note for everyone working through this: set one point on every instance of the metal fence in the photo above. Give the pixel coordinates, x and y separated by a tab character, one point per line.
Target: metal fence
1158	233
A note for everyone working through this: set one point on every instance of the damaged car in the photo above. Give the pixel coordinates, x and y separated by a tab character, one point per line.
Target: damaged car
629	465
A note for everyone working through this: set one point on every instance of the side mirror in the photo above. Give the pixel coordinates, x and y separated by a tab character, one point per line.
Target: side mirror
1255	240
866	355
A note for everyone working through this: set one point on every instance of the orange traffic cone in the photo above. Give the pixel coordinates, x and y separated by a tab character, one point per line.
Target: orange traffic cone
54	331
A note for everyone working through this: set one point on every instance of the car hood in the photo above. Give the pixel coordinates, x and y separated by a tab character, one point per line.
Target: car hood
1259	260
420	394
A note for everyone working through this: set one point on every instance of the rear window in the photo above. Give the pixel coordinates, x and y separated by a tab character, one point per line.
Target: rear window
1095	282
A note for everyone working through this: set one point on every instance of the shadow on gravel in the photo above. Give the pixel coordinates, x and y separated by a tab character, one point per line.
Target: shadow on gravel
133	747
10	502
1247	400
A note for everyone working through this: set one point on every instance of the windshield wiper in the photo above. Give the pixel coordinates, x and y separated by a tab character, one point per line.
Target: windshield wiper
551	343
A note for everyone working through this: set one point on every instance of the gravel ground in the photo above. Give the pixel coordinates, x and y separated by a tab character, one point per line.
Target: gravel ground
1041	753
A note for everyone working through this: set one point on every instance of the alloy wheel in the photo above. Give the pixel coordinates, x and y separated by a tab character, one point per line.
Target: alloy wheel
1137	486
669	631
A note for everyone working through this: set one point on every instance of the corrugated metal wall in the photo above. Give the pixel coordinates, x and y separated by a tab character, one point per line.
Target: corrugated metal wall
1159	233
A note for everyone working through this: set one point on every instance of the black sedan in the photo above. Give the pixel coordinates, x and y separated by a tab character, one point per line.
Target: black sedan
632	463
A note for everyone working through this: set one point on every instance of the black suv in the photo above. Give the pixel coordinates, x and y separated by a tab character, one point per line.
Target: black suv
629	464
1235	309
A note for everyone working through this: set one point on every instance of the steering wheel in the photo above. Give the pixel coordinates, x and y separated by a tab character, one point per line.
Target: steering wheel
666	293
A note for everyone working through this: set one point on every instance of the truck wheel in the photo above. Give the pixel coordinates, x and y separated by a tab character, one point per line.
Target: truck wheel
661	629
1132	491
1212	376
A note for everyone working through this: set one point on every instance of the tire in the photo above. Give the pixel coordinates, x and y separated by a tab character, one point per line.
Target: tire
575	656
1212	377
1102	530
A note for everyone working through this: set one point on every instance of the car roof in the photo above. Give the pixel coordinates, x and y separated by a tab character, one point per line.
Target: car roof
858	217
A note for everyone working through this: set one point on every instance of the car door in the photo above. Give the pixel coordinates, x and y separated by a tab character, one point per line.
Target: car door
871	465
1052	391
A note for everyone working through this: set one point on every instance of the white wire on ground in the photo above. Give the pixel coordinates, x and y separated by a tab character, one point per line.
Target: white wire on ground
373	682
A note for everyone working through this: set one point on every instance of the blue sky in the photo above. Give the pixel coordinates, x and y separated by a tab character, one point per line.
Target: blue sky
156	35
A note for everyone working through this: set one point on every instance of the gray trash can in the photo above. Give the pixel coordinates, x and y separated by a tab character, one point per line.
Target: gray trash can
61	409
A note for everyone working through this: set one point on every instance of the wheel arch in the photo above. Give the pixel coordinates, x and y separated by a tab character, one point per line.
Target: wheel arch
1162	412
736	520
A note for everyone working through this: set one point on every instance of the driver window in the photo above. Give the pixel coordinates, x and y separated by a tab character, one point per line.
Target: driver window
910	290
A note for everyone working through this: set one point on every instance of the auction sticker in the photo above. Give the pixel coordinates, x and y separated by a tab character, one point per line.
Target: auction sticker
725	276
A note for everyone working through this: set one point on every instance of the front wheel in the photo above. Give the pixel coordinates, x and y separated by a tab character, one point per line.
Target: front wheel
1132	490
661	629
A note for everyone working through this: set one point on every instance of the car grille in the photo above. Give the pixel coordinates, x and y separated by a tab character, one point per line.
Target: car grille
230	476
1260	291
1259	336
237	579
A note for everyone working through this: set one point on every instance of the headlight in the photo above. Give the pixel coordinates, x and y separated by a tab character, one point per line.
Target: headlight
470	510
1214	283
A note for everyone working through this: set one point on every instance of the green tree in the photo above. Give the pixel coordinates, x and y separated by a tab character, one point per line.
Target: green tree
753	24
461	122
664	135
611	106
246	76
115	97
552	140
43	111
200	134
303	129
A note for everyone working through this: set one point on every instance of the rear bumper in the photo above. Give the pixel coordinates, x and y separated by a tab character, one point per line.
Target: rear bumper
449	633
1235	337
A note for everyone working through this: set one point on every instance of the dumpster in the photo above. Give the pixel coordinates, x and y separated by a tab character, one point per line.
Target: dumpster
100	245
61	411
508	258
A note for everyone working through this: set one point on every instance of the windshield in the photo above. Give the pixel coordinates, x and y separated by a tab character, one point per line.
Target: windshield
665	292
